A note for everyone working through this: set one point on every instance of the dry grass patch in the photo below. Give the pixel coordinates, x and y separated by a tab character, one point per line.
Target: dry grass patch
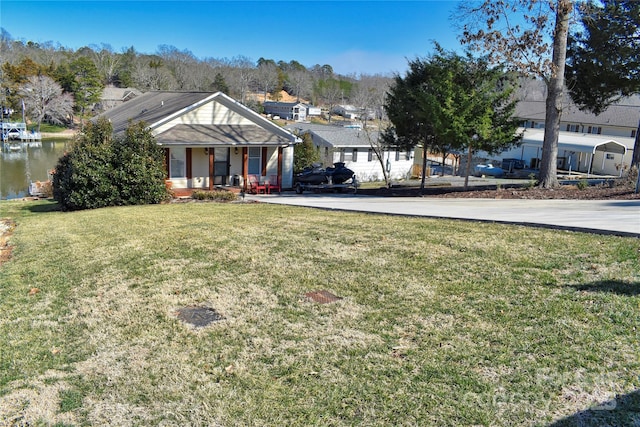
434	326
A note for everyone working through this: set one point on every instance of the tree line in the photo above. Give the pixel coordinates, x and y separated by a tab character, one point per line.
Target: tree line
56	83
445	101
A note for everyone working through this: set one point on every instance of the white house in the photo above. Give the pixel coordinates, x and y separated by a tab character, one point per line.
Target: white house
296	111
210	139
351	144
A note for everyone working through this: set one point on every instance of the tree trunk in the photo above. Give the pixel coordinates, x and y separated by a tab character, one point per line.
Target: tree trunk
635	160
548	165
468	172
424	168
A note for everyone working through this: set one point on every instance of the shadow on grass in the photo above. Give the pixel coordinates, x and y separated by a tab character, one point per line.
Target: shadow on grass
47	206
610	286
624	410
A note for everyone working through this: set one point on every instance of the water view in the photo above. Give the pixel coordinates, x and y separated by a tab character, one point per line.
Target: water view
19	168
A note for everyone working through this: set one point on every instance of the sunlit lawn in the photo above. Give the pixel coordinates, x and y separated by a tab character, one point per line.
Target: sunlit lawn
440	322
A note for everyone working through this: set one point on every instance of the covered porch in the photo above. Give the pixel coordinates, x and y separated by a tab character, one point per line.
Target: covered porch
207	168
231	156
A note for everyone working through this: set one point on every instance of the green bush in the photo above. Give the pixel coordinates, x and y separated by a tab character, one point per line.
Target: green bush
582	184
218	195
304	154
101	170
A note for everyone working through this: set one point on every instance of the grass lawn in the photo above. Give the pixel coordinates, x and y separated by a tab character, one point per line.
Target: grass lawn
442	323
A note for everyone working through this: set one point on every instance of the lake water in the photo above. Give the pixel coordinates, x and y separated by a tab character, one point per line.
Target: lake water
19	168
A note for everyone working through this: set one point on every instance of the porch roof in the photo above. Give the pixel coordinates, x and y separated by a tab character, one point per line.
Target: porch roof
225	135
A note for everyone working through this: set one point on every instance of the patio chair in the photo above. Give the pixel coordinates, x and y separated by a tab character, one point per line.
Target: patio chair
273	184
254	185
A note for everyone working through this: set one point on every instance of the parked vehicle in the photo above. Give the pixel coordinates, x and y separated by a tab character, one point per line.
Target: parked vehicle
318	178
511	164
488	170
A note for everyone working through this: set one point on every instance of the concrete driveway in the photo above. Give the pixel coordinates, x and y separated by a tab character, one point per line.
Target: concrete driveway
618	217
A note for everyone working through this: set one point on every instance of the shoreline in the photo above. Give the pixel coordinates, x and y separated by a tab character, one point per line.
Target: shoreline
65	134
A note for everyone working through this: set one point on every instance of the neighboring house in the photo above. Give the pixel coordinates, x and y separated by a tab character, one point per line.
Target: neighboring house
347	111
210	139
587	143
113	96
350	144
296	111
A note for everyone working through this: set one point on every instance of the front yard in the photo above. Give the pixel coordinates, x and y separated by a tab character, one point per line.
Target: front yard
439	322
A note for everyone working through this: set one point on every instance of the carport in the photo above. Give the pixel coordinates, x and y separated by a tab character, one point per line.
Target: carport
580	151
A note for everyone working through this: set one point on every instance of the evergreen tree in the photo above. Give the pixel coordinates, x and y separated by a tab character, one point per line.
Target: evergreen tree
304	154
451	101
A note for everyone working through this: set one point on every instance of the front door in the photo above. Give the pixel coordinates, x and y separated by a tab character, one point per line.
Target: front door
221	166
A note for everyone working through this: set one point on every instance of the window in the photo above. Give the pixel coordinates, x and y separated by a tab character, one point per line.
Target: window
177	162
254	161
407	155
610	156
595	130
354	156
397	155
346	156
370	155
573	128
633	133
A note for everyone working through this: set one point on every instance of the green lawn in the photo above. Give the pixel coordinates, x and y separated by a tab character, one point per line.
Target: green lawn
440	322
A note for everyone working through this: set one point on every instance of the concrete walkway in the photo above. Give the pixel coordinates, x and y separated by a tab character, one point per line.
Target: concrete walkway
618	217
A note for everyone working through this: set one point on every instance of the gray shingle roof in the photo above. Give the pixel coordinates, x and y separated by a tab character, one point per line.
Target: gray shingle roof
616	115
156	108
531	106
151	107
208	135
336	136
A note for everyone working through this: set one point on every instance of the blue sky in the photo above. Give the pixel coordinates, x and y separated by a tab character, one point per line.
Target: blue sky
353	37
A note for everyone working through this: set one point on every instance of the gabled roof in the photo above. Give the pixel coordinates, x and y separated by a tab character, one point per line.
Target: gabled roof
161	108
337	136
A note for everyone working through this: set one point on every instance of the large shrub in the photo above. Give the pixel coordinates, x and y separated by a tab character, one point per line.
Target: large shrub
101	170
305	153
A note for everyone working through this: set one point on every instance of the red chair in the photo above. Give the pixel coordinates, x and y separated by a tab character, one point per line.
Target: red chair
273	184
254	185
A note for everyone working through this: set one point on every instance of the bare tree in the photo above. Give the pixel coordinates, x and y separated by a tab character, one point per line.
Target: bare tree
267	77
368	95
149	73
242	76
107	62
378	145
299	81
180	64
516	33
330	92
43	98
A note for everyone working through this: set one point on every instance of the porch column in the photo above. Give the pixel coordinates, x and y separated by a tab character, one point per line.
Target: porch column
189	153
245	167
167	160
211	161
280	165
263	166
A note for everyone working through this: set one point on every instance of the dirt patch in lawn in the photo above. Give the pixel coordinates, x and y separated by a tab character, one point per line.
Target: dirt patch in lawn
6	229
